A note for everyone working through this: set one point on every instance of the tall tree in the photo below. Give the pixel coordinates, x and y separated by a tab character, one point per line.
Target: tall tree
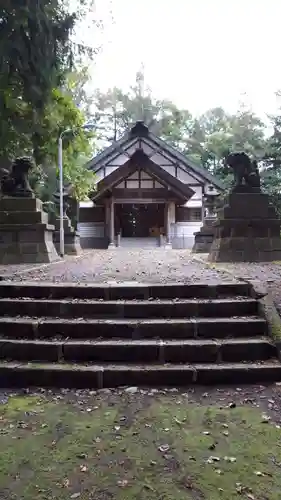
116	111
77	86
40	87
36	51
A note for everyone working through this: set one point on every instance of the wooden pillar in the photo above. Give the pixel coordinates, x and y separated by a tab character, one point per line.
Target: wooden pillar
168	226
111	225
203	208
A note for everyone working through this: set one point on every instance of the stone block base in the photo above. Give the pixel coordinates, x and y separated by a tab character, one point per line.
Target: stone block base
25	235
27	244
203	239
202	242
71	238
245	250
248	230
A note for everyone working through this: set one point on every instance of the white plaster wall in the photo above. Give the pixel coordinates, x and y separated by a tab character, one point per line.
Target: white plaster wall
147	148
185	228
110	169
135	175
196	200
119	159
170	169
121	185
91	229
99	175
182	234
185	177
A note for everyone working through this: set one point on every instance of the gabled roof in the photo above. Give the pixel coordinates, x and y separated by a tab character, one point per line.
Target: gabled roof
141	131
140	160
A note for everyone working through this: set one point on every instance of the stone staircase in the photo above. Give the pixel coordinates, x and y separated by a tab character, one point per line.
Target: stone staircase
69	335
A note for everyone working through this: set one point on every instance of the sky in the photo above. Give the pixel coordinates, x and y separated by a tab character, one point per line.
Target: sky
197	53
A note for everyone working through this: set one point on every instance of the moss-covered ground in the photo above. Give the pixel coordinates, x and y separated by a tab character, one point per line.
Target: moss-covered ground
136	447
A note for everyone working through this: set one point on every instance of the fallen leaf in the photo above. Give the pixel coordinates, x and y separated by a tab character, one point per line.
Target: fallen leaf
164	448
212	459
122	483
178	421
232	405
188	483
148	487
265	418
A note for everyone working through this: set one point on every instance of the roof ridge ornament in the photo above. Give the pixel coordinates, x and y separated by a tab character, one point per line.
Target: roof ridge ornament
140	129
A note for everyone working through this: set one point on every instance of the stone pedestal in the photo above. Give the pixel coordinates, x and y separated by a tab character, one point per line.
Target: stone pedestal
203	239
71	238
247	230
26	237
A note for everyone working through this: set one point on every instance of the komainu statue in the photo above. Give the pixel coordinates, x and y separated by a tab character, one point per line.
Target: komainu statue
246	173
15	182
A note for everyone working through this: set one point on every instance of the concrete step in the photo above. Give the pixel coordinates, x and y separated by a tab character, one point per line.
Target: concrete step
180	308
139	242
32	328
110	375
139	351
123	291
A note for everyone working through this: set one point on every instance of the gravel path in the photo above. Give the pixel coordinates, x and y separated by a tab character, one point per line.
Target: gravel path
155	265
268	273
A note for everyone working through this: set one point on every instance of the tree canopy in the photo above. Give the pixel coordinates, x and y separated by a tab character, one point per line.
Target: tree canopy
205	139
38	58
45	89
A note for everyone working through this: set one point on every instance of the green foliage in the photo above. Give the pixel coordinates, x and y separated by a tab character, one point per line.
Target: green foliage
207	138
37	57
60	113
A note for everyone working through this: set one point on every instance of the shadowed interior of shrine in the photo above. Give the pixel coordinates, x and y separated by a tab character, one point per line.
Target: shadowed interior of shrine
140	220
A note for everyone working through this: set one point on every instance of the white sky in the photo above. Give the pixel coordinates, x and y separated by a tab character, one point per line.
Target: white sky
198	53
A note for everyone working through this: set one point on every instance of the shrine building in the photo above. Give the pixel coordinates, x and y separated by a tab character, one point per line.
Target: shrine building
147	194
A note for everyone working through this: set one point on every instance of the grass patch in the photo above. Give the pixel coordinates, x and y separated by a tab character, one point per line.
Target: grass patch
151	448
